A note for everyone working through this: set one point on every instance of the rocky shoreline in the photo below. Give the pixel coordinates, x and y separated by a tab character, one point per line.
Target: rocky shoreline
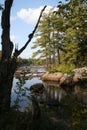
76	76
28	72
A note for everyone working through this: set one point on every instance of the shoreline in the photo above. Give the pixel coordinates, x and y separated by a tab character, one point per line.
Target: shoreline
77	76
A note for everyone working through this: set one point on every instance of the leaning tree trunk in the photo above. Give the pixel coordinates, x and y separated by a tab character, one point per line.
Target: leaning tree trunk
8	62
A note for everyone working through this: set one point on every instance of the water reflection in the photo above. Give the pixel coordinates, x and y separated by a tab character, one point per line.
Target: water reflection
53	92
57	93
16	89
81	92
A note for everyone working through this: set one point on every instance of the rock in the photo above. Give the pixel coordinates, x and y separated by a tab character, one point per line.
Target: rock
62	80
37	88
52	77
59	75
81	72
66	80
76	79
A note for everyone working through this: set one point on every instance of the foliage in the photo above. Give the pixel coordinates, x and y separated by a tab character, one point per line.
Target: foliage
71	39
64	68
74	15
25	62
47	38
63	32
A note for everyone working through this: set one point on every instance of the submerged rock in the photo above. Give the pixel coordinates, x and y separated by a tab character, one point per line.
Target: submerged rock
37	88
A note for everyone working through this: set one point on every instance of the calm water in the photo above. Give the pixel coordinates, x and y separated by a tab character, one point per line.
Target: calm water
53	92
17	92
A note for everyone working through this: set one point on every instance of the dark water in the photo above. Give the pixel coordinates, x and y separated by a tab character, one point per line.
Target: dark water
56	93
53	92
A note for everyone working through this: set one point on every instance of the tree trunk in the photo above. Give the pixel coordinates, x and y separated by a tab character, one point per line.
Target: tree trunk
7	69
5	94
6	64
58	54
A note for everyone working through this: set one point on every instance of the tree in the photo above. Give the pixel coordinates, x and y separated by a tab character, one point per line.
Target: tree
74	23
8	62
49	37
64	30
43	39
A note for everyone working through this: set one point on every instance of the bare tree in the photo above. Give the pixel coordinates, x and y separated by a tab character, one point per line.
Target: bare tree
8	62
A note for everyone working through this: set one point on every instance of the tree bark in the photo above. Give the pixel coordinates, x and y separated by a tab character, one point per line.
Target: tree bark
7	45
7	69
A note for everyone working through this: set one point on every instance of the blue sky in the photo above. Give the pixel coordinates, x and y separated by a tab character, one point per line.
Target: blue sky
23	18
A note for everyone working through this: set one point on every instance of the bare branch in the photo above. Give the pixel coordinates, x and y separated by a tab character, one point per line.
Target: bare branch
30	36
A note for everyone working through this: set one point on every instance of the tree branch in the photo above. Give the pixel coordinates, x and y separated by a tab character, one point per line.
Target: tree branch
30	36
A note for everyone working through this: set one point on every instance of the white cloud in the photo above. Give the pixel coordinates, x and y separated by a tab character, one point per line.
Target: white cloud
31	15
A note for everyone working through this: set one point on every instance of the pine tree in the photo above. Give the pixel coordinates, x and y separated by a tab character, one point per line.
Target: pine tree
74	23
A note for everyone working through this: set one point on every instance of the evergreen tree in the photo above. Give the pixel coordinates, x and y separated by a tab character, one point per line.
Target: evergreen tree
48	36
74	23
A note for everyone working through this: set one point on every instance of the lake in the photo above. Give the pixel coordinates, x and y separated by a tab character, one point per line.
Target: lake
52	95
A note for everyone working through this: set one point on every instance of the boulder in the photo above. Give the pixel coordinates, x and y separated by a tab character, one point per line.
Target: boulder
66	80
81	72
37	88
76	78
52	76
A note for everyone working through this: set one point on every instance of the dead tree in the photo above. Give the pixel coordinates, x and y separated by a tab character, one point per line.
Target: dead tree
8	62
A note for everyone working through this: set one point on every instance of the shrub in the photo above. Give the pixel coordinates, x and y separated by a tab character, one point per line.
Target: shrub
64	68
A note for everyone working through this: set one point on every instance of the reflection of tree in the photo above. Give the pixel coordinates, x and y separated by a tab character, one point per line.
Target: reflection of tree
20	91
54	93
